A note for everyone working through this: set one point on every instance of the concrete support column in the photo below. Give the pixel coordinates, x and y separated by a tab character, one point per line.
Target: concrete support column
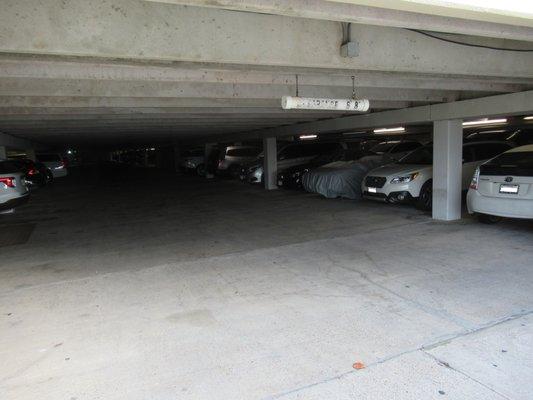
3	153
270	163
208	155
447	169
30	153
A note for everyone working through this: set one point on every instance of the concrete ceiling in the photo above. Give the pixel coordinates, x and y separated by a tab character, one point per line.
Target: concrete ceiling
120	71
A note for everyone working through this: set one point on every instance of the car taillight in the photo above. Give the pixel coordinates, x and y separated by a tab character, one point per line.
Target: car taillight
475	180
8	181
32	171
64	162
220	163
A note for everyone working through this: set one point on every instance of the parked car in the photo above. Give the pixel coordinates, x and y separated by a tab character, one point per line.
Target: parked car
411	178
35	173
390	151
193	160
233	158
54	162
288	156
13	188
503	186
339	179
517	137
291	178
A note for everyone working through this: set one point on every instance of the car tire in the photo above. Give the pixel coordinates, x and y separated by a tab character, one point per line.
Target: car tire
425	197
488	219
234	170
200	170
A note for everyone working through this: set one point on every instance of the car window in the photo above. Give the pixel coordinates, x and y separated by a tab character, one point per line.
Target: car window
513	163
405	146
243	152
485	151
289	152
48	157
423	155
383	147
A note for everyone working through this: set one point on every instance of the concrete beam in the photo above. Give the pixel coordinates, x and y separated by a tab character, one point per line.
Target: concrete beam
57	69
134	89
140	30
500	105
516	28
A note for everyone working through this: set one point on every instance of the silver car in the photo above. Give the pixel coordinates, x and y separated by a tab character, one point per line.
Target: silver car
13	187
233	158
503	186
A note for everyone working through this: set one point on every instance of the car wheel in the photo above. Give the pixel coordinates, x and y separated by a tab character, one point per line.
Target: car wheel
200	170
425	198
234	170
488	219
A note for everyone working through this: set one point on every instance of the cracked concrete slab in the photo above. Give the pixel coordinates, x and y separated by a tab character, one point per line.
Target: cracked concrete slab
296	291
501	358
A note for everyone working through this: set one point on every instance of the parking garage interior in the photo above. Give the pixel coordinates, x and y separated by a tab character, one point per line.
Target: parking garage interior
135	276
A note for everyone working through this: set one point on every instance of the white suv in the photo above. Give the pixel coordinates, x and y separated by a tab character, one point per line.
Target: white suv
411	178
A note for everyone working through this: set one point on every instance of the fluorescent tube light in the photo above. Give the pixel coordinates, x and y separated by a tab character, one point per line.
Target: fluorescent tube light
528	118
390	130
485	121
306	137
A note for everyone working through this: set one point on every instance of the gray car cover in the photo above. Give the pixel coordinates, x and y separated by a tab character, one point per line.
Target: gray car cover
340	178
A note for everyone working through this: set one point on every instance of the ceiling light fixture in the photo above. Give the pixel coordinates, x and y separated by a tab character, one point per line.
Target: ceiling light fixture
390	130
307	137
313	103
485	121
528	118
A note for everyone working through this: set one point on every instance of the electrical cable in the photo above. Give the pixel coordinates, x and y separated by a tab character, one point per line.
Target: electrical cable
467	44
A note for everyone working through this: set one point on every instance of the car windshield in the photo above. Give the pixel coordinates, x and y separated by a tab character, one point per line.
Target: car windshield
518	163
383	147
422	155
243	152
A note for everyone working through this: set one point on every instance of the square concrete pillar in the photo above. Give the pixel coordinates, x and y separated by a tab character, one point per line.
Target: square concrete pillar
447	169
270	163
3	153
208	155
30	153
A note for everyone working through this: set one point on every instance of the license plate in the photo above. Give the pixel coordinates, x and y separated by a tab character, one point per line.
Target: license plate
511	189
372	190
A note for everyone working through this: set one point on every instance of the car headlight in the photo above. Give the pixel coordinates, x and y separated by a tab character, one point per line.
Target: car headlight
405	178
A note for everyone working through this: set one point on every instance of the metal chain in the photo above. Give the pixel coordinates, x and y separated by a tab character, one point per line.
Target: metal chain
353	87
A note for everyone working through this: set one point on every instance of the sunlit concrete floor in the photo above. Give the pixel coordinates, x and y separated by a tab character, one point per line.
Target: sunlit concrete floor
142	285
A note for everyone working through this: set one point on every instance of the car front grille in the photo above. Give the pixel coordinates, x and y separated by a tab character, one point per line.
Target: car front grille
375	181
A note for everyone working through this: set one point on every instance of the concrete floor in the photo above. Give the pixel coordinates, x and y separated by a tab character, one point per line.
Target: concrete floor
147	286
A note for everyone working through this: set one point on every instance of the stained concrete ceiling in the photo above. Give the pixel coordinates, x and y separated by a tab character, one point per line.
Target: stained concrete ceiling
122	71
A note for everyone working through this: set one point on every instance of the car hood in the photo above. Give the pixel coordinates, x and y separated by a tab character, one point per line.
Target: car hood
398	169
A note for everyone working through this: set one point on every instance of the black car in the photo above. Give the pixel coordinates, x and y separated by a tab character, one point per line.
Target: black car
36	173
291	178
